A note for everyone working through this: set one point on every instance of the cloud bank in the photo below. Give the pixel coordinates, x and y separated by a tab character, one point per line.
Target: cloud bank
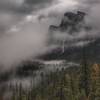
24	25
24	28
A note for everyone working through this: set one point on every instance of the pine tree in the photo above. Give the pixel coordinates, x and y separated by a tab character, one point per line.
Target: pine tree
20	92
85	74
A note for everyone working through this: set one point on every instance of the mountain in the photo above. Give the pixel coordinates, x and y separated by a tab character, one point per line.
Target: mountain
72	49
72	22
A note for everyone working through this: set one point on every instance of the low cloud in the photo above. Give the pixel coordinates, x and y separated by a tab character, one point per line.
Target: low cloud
23	43
24	29
26	34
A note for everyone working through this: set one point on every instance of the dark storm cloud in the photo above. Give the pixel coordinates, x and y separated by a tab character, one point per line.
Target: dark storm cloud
37	1
10	5
37	4
22	6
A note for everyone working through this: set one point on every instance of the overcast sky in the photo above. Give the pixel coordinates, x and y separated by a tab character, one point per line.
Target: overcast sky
24	25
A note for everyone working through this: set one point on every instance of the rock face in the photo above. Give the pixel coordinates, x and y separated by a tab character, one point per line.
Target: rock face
72	22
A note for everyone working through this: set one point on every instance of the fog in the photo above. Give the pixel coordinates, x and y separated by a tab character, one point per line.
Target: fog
24	33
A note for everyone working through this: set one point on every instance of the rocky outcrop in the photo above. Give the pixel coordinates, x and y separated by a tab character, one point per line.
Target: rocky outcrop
72	22
70	49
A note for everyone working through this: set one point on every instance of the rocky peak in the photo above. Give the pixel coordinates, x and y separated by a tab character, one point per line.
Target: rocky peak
71	22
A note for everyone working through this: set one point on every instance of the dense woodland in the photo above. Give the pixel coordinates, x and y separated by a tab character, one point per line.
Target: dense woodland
73	83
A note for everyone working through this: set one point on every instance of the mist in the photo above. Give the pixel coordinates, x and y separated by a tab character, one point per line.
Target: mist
24	33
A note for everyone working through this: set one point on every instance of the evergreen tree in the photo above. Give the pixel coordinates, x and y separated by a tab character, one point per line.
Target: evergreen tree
85	74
